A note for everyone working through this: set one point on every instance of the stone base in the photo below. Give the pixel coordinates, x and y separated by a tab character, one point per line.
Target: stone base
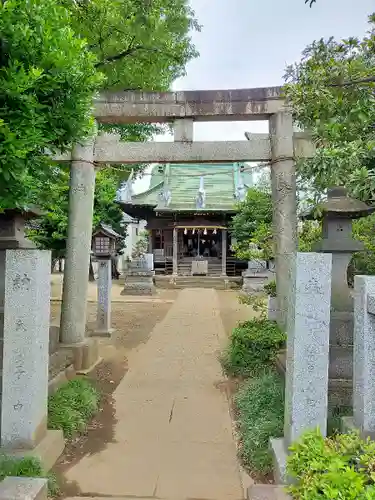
267	492
139	288
139	283
20	488
253	282
103	333
85	355
279	459
48	450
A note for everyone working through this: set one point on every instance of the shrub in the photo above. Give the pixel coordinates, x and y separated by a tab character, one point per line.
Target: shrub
72	405
26	467
341	467
253	346
270	288
256	302
260	415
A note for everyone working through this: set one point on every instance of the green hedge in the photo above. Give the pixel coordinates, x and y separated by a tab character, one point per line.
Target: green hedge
72	406
260	415
253	346
341	467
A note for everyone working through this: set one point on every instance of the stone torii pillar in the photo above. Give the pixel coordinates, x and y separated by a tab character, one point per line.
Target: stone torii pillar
77	262
284	202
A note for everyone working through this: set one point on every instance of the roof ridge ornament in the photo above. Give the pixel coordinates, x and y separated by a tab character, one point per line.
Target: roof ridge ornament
125	193
201	196
241	190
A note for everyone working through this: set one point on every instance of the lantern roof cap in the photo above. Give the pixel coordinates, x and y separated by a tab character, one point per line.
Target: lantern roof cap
107	230
339	204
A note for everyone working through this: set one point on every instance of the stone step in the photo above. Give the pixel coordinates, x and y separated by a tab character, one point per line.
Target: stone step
267	492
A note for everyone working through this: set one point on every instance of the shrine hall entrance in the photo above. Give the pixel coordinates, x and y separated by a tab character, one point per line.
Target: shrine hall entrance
202	242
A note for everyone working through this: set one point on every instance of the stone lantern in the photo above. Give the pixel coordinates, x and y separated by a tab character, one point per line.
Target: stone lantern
104	247
12	227
337	214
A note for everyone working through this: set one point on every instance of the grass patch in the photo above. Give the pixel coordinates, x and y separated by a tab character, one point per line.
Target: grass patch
72	406
260	415
253	346
27	467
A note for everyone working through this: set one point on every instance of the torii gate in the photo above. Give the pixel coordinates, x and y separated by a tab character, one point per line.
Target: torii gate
280	148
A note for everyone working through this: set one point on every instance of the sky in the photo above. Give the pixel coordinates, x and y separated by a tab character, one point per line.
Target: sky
249	43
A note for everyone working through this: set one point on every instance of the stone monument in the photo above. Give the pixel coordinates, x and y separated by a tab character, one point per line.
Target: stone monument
24	329
139	278
104	247
338	212
306	378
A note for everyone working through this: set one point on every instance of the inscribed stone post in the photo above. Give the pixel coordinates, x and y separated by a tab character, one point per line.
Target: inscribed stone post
25	308
364	355
306	383
103	326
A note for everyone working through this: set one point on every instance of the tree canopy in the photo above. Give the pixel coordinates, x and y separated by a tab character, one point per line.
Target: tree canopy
134	44
47	80
50	231
340	117
252	223
138	44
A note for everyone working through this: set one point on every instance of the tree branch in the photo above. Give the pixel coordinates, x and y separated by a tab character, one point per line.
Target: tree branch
369	79
121	55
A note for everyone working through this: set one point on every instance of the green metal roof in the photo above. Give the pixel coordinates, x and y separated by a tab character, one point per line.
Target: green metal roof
220	182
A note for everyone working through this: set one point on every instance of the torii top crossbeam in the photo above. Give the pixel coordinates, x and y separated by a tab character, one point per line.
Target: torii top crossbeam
200	105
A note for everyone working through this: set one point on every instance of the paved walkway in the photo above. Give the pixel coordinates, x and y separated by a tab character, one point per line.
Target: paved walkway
172	432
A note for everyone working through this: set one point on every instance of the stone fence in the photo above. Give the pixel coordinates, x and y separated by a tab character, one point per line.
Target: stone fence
364	356
308	355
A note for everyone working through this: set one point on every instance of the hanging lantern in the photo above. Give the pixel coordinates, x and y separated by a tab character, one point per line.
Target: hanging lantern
193	231
215	231
185	231
205	231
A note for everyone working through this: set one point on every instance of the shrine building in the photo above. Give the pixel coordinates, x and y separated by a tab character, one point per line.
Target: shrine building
188	209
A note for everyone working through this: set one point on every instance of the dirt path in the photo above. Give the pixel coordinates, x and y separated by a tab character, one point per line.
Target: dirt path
168	428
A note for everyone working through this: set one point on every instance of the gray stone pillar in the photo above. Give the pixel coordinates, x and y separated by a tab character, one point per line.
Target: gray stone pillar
175	251
103	318
306	379
77	261
284	202
364	355
223	252
25	304
24	334
150	249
